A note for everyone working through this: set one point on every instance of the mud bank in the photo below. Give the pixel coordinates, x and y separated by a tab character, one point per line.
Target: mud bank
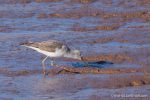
115	31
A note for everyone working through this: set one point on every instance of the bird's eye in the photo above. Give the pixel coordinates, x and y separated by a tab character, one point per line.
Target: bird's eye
36	46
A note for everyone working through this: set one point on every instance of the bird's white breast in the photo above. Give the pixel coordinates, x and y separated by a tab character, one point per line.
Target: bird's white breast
57	53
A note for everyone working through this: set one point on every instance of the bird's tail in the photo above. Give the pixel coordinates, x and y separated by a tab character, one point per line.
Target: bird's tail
26	44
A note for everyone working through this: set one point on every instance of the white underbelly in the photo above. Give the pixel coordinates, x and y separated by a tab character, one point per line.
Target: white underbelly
57	53
51	54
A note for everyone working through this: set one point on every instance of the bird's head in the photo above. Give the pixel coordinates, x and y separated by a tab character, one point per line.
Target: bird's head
77	54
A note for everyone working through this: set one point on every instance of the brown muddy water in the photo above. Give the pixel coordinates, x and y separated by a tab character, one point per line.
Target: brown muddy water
116	31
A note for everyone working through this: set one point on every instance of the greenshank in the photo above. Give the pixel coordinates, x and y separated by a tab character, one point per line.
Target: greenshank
53	49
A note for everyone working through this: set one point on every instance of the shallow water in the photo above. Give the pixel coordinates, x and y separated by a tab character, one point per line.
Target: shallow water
114	31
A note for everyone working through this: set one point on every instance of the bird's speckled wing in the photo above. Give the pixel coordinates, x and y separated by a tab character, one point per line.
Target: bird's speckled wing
50	46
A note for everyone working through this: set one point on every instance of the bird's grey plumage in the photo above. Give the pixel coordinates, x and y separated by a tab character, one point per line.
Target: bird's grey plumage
49	46
53	48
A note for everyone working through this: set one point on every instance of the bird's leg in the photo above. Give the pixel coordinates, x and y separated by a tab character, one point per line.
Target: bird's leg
43	65
52	62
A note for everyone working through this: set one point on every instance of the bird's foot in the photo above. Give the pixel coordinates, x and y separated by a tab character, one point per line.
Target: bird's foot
52	63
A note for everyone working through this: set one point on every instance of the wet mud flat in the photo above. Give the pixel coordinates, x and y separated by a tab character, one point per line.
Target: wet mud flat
116	31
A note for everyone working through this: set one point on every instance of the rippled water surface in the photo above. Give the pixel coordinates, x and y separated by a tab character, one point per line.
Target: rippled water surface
116	31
